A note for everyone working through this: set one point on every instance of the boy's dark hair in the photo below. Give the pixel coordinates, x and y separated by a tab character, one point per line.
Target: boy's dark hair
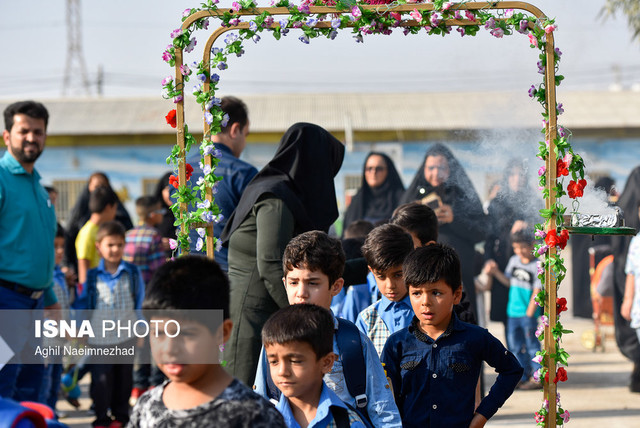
188	282
418	219
358	229
110	228
523	236
430	264
145	205
237	111
32	109
315	250
304	322
59	231
100	198
386	247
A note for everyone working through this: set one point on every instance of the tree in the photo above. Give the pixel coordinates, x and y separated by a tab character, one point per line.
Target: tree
630	8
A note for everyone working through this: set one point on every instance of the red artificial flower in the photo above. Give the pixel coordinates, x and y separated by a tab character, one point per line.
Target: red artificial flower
171	118
189	170
173	180
554	240
562	168
575	190
561	304
561	376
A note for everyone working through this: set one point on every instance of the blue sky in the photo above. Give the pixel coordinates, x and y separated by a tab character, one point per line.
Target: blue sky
126	39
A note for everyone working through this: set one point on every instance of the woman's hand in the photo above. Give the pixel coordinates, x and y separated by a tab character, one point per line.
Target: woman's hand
444	213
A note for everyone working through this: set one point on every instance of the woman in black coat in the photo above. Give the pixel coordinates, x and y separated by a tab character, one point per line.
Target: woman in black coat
379	193
442	183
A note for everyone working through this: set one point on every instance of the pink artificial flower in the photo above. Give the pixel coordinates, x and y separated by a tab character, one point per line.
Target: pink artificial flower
508	13
236	6
533	40
497	32
565	416
457	14
544	320
447	5
166	56
542	171
540	268
550	28
186	13
539	418
545	404
462	31
177	99
416	15
356	12
175	33
567	159
185	70
173	244
470	15
538	359
539	331
167	80
436	19
536	375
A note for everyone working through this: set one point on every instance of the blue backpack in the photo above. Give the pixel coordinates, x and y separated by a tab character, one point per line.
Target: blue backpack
353	367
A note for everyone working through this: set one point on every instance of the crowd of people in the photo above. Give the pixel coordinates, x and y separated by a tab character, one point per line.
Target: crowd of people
381	327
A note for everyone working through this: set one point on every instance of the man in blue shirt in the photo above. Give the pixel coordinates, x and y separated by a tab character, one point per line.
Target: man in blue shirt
235	172
27	230
434	364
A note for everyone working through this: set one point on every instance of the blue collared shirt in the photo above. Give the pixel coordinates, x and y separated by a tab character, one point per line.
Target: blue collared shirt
381	406
236	175
27	228
396	315
355	299
323	414
434	381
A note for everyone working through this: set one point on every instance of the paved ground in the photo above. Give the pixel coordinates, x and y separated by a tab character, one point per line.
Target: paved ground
596	393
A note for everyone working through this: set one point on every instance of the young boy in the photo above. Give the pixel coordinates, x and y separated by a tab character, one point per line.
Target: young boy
103	204
143	247
385	250
313	264
196	394
521	276
434	364
298	341
419	220
113	290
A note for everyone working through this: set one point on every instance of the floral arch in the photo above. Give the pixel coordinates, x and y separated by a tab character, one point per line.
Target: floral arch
324	18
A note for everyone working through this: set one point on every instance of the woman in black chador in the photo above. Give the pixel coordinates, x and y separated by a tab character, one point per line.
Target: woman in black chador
379	193
292	194
442	183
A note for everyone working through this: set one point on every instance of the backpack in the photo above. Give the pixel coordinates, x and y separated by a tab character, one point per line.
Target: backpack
353	367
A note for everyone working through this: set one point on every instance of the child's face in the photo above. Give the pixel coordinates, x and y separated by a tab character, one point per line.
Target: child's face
296	370
111	248
432	304
523	251
58	248
155	216
391	283
110	212
190	356
310	286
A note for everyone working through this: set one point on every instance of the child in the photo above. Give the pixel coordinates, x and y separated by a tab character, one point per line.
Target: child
521	276
385	250
434	364
103	204
143	247
313	264
298	341
114	287
197	394
419	220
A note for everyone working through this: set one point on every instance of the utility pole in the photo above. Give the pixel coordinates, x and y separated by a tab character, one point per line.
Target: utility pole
75	72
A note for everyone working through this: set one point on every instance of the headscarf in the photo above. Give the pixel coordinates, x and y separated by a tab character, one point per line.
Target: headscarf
166	229
301	174
625	336
378	202
458	184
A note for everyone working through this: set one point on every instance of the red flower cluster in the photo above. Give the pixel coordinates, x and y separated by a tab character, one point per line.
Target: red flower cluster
171	118
562	168
561	375
173	180
189	171
561	305
554	240
575	190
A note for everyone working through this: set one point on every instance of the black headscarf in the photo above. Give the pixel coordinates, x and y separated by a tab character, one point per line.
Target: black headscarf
625	336
301	174
166	229
375	203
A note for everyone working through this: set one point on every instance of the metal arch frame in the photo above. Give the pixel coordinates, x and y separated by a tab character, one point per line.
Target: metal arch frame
550	388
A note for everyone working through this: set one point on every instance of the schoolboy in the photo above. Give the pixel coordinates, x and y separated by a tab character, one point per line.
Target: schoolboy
103	204
419	220
298	342
521	276
143	247
197	394
434	363
113	290
313	264
385	250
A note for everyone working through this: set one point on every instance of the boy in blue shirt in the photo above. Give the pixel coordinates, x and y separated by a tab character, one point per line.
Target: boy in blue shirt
521	276
298	341
313	264
384	250
434	363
